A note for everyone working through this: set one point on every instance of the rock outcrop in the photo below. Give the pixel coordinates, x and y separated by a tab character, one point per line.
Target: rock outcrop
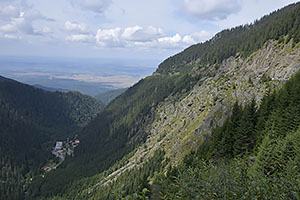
180	126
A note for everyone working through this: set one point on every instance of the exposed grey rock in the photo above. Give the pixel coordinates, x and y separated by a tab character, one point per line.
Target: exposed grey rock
212	98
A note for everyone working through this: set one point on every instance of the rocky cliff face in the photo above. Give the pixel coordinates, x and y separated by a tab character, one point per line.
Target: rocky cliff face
181	125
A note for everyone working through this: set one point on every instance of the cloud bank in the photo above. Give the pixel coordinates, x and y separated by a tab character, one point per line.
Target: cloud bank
148	37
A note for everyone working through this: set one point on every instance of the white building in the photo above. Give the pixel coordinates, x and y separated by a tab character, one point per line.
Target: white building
58	146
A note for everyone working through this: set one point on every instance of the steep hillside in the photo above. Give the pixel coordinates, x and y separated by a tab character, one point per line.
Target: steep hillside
31	120
181	125
165	116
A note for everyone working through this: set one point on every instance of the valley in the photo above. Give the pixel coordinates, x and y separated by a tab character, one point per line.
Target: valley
218	120
31	121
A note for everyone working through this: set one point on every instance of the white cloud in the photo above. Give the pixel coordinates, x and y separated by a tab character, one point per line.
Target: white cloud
169	42
127	37
188	39
212	9
149	37
81	38
196	37
176	42
76	27
109	37
97	6
137	33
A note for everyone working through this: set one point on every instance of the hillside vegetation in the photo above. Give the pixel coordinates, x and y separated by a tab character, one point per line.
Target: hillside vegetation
199	85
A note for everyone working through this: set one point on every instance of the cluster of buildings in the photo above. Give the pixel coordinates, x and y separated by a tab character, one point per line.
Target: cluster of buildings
61	150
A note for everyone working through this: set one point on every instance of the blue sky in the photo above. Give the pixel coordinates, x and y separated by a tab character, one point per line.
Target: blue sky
144	29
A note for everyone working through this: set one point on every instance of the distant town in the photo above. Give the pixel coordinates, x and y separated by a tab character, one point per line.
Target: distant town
61	150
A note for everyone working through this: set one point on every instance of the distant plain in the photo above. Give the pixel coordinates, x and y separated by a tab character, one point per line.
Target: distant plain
87	75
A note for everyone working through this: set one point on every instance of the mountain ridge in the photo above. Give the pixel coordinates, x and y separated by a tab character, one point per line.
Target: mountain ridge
230	42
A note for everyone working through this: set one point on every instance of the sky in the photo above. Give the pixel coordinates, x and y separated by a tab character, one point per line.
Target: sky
134	29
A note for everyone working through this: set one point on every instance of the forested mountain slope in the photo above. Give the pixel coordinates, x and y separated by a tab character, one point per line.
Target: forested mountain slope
159	120
31	120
